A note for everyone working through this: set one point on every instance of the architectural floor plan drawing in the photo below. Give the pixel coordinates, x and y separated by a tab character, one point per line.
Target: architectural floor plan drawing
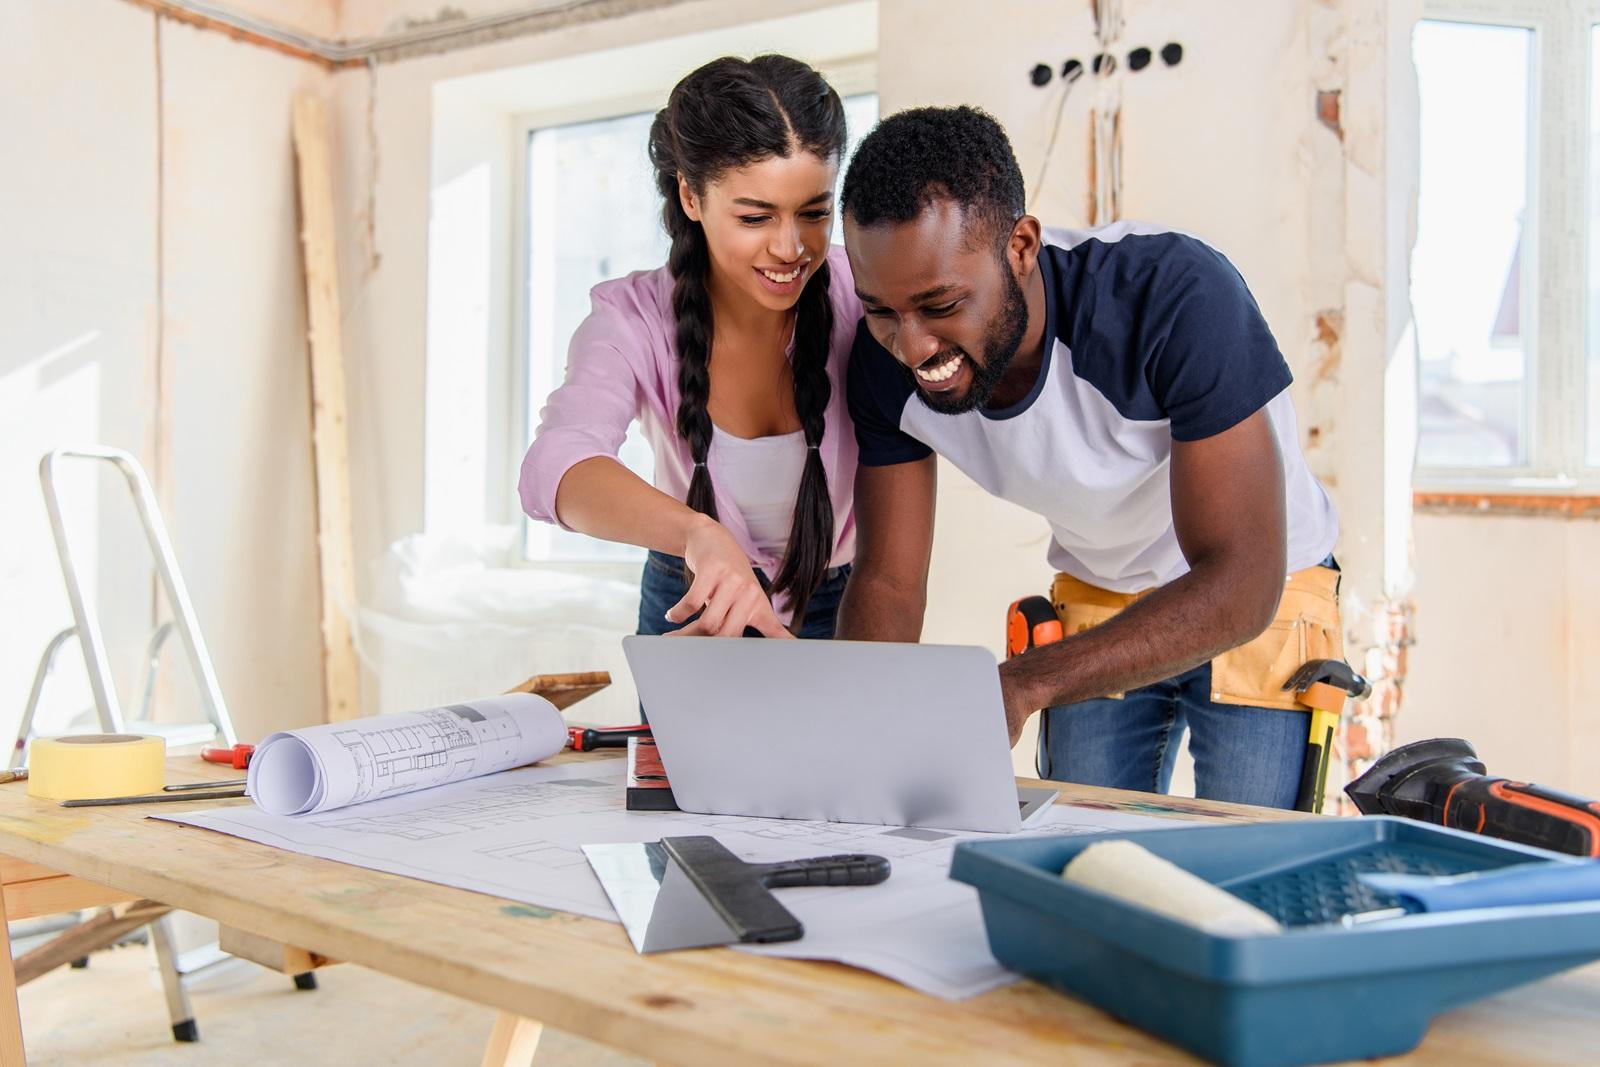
319	768
519	835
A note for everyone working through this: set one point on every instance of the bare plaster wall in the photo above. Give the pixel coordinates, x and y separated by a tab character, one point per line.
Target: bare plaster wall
86	223
77	296
242	482
1506	652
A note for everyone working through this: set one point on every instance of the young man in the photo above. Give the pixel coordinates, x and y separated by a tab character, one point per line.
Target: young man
1122	384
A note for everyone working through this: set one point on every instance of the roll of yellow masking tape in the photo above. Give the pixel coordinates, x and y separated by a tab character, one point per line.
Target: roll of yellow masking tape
95	766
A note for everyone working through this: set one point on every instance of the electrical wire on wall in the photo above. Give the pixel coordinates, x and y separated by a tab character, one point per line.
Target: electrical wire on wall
1106	129
1070	73
1104	179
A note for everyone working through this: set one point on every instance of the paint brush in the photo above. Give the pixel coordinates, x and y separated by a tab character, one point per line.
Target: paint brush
14	776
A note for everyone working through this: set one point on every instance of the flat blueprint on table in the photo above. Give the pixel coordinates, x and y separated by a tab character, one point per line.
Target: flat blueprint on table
518	834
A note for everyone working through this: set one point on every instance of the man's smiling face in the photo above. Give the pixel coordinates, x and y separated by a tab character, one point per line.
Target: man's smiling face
940	295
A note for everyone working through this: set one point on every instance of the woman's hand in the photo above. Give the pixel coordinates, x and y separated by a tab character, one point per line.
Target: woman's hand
725	591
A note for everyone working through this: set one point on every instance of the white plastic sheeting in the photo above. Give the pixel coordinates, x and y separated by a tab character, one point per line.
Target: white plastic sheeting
451	619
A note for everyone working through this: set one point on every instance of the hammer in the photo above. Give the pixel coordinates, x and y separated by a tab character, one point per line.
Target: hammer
1322	686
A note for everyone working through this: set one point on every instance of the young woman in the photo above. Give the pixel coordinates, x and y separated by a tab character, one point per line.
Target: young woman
732	358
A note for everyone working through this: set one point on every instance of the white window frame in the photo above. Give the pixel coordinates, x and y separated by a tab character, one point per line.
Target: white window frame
849	76
1554	381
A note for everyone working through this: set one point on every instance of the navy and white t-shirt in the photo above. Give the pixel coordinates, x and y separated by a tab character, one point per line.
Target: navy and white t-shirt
1150	337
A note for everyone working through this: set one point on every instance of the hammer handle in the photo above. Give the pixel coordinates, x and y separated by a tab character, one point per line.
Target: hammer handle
853	869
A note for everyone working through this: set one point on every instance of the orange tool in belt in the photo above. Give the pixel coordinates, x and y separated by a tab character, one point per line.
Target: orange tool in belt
1031	622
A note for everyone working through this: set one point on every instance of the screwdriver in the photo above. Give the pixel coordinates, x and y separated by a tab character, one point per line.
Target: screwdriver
589	738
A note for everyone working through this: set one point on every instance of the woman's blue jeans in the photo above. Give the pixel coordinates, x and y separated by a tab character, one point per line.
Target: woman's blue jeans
663	584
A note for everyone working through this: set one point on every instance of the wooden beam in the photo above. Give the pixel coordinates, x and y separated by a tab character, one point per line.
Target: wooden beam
17	871
565	690
341	677
48	896
89	936
273	955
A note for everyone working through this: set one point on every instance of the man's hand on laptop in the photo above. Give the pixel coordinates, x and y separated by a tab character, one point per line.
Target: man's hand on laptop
725	591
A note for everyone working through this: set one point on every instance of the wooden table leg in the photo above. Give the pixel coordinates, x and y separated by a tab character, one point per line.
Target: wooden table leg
11	1050
513	1041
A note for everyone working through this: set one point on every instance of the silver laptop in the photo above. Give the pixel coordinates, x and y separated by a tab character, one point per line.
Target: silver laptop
843	731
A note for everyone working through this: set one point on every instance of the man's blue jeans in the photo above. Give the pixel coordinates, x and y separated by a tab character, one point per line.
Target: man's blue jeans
1245	755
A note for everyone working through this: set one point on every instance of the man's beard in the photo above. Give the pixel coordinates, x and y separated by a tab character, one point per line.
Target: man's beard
1001	340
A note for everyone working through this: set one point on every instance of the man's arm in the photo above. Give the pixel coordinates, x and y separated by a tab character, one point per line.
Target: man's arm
888	589
1228	513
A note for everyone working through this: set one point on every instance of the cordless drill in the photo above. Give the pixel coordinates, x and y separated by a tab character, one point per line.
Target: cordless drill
1442	781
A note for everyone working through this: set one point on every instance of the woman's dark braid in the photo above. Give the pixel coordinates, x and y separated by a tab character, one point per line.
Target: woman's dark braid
811	536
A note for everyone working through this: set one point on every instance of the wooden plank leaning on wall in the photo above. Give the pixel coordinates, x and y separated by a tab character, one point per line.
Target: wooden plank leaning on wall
341	675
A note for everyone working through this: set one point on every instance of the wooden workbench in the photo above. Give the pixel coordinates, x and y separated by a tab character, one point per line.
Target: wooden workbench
581	975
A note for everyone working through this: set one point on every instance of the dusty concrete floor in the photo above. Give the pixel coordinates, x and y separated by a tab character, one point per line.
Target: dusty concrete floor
112	1014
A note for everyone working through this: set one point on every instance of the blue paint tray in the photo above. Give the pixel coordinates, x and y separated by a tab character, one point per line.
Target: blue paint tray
1318	992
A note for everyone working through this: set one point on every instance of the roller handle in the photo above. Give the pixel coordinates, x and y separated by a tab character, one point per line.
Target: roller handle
852	869
1526	813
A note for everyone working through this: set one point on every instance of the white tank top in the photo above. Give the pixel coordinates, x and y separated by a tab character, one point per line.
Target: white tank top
761	475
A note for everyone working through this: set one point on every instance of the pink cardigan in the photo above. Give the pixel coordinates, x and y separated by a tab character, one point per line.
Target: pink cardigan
623	365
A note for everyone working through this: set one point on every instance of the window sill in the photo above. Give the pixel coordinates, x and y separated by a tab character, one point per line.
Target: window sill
1541	505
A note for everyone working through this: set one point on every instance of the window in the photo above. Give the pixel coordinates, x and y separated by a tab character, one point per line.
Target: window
1468	287
593	213
1498	289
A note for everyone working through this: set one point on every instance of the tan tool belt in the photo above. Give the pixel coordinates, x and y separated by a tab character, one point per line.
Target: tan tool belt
1306	627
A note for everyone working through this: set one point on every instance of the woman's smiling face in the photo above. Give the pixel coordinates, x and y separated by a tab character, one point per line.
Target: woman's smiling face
767	225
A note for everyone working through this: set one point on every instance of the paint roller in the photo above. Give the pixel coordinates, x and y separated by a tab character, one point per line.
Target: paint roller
1132	873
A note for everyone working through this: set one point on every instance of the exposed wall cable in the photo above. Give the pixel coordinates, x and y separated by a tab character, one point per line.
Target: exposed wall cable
1105	132
1069	77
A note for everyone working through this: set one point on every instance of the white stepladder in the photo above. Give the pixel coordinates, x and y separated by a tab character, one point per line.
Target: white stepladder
86	625
86	628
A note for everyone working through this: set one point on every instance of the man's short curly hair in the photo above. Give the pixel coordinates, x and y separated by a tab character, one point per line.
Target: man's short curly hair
932	153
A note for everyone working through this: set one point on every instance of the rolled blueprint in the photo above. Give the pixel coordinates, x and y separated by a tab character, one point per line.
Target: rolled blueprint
296	772
1130	872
